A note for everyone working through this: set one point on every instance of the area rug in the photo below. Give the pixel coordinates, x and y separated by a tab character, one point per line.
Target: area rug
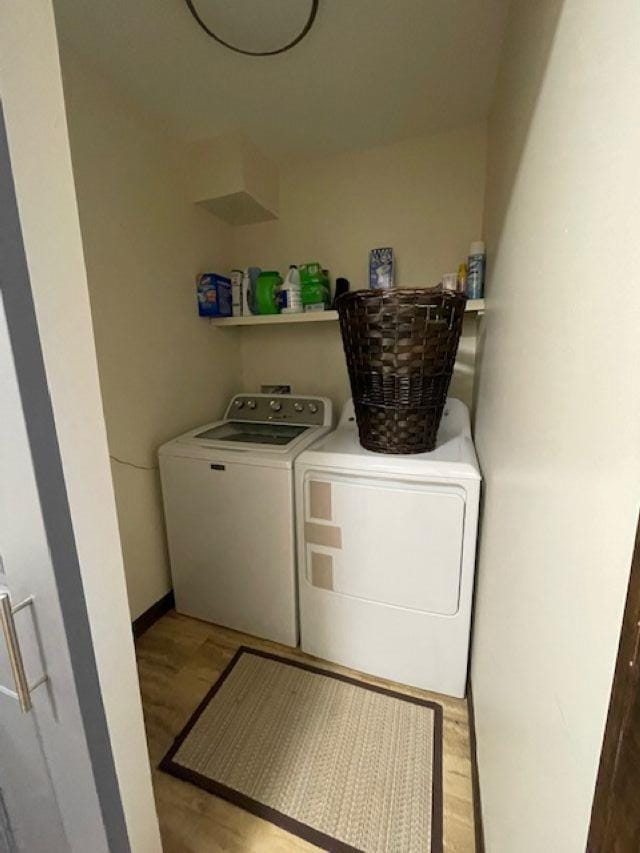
343	764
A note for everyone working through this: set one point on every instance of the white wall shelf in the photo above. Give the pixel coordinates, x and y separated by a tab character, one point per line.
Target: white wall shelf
275	319
473	305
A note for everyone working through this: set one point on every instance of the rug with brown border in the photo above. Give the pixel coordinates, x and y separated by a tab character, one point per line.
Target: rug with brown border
343	764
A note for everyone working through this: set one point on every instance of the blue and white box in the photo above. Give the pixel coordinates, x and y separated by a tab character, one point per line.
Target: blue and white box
381	269
214	295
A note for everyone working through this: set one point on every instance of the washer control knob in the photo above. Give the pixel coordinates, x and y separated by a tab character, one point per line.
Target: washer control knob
276	405
251	404
313	408
239	404
298	407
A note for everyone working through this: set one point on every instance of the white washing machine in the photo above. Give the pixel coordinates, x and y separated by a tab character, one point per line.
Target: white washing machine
229	506
386	554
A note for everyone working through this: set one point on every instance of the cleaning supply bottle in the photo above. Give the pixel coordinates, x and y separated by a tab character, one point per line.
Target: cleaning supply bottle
236	292
246	294
291	292
462	278
477	266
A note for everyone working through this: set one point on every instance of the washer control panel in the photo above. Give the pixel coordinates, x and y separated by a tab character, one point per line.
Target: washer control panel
304	411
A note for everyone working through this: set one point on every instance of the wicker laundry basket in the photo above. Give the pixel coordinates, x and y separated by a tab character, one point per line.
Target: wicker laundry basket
401	346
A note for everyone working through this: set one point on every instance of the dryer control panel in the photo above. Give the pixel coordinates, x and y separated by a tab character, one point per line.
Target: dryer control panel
283	408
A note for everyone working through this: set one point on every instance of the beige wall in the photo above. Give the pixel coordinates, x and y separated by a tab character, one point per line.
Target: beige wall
311	359
558	414
162	370
424	197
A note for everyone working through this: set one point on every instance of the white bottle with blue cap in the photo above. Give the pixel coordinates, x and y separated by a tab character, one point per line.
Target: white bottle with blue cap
291	292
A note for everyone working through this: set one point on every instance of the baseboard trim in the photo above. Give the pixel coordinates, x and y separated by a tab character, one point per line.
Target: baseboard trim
475	776
152	614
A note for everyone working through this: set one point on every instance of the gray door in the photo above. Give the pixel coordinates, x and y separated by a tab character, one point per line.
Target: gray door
29	809
57	786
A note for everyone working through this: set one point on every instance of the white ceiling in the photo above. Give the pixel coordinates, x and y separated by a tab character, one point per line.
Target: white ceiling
370	72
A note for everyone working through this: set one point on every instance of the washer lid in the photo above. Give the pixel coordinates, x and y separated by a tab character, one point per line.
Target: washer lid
243	432
258	429
454	454
206	443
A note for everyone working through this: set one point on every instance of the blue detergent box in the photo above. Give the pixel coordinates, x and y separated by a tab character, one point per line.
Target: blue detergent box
214	295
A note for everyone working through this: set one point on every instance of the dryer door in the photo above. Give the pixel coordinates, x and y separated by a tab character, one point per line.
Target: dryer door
393	542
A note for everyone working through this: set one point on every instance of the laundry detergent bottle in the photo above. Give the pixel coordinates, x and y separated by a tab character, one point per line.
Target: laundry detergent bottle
268	292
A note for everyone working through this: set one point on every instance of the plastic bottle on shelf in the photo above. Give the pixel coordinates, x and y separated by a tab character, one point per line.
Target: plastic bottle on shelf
267	292
249	280
462	278
476	270
236	292
245	308
291	292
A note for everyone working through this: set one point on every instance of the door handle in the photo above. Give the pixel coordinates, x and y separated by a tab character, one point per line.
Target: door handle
23	689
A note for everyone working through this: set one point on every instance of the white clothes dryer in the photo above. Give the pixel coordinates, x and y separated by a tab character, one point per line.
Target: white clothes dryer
386	554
